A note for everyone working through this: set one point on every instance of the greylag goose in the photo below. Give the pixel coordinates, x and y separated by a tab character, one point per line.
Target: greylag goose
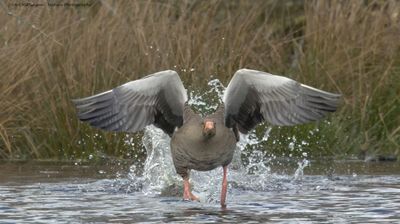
204	143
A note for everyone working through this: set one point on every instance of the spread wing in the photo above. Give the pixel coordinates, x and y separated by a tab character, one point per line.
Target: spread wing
155	99
254	96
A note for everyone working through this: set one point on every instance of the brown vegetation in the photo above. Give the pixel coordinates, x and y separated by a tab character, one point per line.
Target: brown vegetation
51	54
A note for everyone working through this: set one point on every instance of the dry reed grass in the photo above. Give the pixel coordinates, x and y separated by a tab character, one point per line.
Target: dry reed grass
49	55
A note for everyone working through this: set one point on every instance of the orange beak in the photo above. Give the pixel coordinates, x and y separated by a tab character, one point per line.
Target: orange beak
208	125
208	128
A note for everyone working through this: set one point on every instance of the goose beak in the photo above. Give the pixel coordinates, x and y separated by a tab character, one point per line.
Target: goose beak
209	128
208	125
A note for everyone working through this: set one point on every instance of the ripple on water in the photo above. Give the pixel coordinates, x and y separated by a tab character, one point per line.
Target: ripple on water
281	198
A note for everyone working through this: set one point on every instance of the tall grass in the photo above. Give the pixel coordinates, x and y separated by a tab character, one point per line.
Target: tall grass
50	55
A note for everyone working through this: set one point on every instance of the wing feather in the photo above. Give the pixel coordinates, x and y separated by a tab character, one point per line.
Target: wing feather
155	99
254	96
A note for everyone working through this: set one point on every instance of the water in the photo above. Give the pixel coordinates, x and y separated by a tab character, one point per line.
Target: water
61	193
261	188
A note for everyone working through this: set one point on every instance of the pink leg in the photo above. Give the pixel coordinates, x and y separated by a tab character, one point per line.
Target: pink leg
187	194
224	188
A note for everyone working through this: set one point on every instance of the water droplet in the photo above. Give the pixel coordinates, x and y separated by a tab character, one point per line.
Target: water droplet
266	134
291	146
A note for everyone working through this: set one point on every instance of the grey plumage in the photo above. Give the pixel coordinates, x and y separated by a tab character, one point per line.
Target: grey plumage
191	151
155	99
250	98
253	97
205	143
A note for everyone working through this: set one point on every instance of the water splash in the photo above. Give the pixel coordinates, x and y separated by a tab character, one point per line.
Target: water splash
249	171
213	95
158	171
299	173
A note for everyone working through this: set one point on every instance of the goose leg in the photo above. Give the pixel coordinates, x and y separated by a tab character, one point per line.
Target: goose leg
224	187
187	193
